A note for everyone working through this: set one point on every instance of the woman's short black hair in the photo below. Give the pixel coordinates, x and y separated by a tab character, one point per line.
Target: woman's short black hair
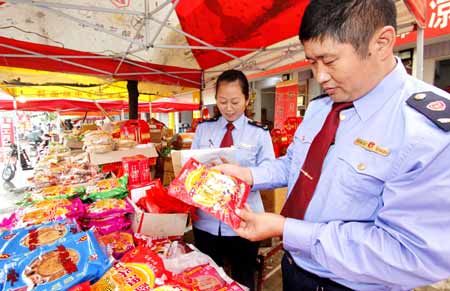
347	21
232	76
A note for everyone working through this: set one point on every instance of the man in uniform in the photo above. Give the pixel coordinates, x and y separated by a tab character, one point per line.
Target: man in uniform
368	172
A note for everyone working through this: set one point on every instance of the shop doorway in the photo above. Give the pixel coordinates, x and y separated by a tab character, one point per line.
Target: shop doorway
268	106
442	75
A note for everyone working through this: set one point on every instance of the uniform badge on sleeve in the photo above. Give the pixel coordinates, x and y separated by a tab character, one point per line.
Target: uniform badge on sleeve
435	107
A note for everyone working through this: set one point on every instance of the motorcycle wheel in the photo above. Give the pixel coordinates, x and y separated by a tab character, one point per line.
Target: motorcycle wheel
8	173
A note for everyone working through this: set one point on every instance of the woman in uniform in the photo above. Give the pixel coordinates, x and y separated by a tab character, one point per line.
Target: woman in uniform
254	146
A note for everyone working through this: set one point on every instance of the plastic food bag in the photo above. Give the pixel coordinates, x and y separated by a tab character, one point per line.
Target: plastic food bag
24	240
107	188
210	190
139	269
59	267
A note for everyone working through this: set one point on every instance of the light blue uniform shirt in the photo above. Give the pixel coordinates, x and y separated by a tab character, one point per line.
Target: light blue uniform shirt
254	146
375	222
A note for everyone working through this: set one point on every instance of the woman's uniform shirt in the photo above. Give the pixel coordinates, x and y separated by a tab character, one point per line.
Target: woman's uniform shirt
381	211
254	146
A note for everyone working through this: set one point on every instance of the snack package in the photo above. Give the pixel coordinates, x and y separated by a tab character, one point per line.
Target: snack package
58	267
139	269
119	242
107	188
52	192
201	278
44	211
24	240
86	286
210	190
107	207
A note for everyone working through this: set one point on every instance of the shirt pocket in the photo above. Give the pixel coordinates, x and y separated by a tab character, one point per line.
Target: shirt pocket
247	154
361	176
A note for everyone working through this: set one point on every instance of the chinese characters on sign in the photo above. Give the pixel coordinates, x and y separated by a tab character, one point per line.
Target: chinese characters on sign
440	13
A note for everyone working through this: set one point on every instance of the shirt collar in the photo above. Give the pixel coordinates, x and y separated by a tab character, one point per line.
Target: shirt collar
238	123
370	103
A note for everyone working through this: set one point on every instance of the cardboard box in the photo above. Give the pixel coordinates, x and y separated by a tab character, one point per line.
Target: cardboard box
158	225
155	135
147	150
274	199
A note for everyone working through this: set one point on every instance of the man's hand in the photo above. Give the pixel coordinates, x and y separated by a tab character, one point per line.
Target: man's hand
259	226
237	171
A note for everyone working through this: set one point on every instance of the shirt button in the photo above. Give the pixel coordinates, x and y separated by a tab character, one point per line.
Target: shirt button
342	116
361	166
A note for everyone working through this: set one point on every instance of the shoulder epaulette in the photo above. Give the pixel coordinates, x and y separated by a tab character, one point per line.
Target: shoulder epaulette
210	120
436	108
258	124
320	97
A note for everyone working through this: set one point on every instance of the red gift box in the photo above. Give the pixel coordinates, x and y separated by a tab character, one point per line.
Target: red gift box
137	130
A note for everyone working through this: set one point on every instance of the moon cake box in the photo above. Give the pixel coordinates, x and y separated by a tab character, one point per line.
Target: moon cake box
58	267
210	190
23	240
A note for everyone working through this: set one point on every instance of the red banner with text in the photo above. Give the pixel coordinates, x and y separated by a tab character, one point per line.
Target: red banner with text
285	102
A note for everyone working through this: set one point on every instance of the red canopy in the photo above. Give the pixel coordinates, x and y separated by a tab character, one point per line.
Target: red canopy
92	64
238	24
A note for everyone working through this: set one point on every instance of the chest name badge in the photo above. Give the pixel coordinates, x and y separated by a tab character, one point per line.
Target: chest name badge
372	147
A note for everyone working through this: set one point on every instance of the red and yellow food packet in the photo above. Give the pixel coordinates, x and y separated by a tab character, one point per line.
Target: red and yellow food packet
210	190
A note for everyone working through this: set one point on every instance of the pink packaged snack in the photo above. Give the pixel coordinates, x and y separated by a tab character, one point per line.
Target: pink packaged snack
108	228
210	190
105	207
44	211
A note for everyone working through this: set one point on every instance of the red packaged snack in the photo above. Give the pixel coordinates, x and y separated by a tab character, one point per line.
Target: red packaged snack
201	278
139	269
210	190
86	286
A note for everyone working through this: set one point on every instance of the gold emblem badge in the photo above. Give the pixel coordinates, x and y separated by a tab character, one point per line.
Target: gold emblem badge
372	147
420	96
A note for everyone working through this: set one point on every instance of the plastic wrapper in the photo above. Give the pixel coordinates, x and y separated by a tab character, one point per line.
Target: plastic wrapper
58	267
52	192
23	240
139	269
164	247
210	190
97	138
120	226
202	278
118	242
86	286
157	200
107	188
44	211
107	207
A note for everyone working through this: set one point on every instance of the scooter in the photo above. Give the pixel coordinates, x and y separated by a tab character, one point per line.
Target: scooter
10	169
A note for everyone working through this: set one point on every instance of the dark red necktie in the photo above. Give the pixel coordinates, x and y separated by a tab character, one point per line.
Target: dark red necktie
227	140
306	183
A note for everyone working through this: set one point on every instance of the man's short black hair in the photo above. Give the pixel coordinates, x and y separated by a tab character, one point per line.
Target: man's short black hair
347	21
231	76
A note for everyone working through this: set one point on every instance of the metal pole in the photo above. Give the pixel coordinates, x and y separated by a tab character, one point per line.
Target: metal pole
420	51
15	129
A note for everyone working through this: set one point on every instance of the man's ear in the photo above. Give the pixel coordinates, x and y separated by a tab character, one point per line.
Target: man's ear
383	42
